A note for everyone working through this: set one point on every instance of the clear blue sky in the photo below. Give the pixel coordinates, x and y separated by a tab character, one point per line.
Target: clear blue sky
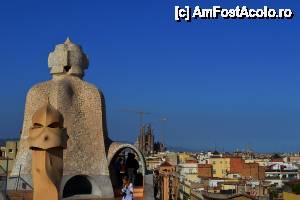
223	83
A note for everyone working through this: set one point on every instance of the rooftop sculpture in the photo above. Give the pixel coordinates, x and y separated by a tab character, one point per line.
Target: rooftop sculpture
90	151
68	58
47	139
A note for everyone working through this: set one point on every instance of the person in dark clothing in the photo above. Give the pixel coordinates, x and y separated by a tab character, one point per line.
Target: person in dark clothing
122	169
132	165
117	171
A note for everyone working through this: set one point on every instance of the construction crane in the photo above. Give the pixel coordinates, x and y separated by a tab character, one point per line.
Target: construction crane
140	113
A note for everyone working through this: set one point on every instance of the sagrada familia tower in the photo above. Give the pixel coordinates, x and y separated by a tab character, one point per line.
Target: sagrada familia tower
79	109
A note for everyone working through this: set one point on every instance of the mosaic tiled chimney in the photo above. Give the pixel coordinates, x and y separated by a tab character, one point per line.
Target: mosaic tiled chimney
89	149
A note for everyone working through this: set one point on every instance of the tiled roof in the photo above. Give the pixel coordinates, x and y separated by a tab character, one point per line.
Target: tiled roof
166	164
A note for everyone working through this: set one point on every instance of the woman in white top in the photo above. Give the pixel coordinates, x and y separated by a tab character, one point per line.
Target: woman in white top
127	190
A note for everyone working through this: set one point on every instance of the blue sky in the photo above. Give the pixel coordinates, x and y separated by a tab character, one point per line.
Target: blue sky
221	83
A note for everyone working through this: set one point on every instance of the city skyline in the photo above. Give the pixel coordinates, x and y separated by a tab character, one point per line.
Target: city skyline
222	83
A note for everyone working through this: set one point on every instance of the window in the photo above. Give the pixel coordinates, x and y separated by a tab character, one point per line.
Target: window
214	171
10	150
214	162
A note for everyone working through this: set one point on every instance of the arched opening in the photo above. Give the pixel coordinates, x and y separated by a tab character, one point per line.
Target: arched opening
117	172
77	185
